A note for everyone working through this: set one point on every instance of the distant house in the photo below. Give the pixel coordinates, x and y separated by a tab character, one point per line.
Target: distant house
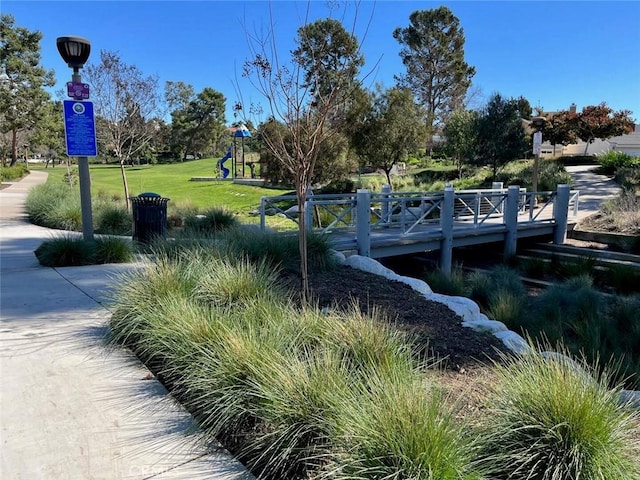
629	144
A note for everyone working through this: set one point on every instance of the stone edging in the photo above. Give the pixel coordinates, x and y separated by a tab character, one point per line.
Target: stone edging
467	309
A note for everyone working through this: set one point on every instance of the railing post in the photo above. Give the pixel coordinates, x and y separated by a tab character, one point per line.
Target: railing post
446	225
363	222
263	214
308	215
476	209
561	214
511	221
497	186
386	192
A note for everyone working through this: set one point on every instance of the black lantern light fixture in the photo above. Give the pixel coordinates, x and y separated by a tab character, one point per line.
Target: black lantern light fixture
538	123
74	50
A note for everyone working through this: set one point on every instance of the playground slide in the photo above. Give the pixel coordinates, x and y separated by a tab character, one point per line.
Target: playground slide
220	164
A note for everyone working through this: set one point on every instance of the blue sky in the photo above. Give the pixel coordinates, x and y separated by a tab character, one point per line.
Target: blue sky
552	53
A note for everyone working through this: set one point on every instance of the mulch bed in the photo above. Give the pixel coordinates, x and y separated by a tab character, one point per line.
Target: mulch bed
437	329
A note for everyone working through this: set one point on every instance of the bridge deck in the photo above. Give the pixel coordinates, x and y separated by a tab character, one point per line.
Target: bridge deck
428	237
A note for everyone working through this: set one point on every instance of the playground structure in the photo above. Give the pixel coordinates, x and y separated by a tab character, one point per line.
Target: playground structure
238	164
223	170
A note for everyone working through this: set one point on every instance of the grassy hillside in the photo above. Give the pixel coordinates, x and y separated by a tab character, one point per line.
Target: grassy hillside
172	181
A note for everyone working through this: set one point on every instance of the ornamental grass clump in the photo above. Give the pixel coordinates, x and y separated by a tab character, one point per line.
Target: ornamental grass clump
287	388
72	250
43	201
550	417
401	427
279	250
210	222
65	251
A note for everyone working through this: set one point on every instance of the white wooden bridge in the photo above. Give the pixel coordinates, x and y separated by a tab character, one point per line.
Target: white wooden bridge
384	224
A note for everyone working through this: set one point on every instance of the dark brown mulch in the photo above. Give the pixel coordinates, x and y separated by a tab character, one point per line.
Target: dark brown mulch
437	329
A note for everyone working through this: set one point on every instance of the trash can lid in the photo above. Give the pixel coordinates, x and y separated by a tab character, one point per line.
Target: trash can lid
148	194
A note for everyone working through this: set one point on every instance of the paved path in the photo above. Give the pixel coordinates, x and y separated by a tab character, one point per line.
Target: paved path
594	188
69	409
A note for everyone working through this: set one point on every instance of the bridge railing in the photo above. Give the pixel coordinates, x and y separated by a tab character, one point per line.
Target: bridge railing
406	211
328	212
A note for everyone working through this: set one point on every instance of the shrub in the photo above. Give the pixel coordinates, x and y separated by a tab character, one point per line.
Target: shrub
623	212
507	307
9	174
624	279
211	221
287	389
112	250
551	173
613	160
112	219
56	205
45	199
66	214
68	251
569	425
280	250
629	177
65	251
402	428
452	284
177	212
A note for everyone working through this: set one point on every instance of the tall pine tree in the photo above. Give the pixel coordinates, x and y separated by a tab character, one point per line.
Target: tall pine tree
433	53
22	81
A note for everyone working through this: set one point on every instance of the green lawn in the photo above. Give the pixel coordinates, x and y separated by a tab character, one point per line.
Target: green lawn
172	181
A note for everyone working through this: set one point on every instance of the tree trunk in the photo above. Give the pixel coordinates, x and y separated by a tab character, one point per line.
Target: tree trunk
388	174
302	244
14	147
125	184
586	148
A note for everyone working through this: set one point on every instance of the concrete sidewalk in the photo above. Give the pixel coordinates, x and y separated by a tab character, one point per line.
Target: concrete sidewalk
70	409
594	188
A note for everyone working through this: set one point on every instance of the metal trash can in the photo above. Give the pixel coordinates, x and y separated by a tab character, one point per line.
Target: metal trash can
149	216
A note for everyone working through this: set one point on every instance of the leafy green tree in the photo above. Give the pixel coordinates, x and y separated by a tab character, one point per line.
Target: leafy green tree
329	56
392	129
500	135
600	121
305	107
524	107
178	94
333	162
127	101
437	74
460	134
22	81
48	135
199	124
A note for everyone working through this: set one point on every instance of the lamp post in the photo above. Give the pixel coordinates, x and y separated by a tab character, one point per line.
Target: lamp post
538	125
75	52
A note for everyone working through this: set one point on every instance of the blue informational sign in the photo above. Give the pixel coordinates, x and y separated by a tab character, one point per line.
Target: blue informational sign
80	129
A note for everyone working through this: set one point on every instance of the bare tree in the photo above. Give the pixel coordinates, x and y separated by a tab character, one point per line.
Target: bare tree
126	100
303	92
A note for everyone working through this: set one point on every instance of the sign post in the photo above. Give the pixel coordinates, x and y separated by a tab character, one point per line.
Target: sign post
80	129
80	139
537	123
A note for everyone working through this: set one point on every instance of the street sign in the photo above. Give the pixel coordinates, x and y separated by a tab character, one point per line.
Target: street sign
537	143
80	129
78	91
